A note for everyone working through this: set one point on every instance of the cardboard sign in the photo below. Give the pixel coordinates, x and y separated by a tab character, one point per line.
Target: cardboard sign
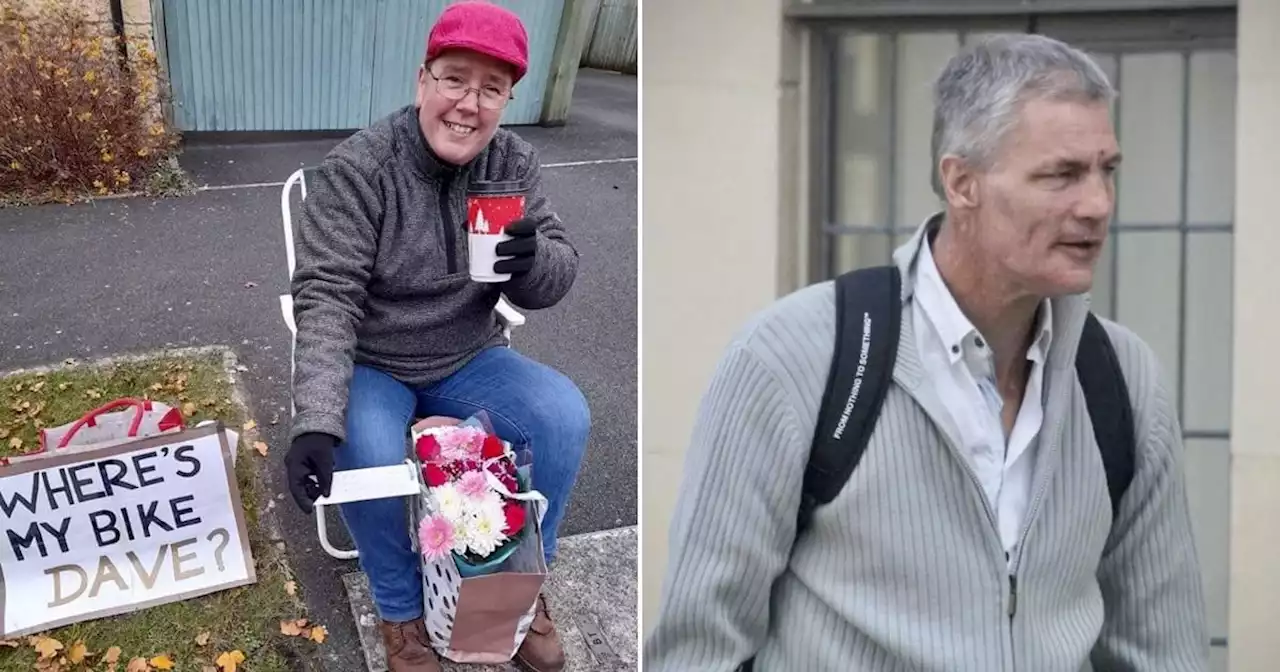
119	529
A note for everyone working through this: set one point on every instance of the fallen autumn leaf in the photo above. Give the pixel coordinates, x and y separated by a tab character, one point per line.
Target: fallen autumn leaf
318	634
202	639
162	662
249	426
47	647
112	655
138	665
261	447
229	660
291	587
77	653
51	665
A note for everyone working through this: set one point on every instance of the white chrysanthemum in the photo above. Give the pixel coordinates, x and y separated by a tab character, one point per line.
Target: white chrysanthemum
484	531
482	505
448	501
460	540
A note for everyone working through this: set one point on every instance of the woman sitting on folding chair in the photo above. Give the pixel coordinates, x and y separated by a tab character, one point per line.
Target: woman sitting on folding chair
391	324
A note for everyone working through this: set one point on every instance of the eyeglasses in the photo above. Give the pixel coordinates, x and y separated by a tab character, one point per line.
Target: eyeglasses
489	96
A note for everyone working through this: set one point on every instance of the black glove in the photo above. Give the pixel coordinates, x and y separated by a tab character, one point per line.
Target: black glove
521	248
308	467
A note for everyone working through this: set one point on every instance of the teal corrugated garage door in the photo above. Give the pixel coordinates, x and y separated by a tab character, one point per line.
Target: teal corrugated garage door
286	65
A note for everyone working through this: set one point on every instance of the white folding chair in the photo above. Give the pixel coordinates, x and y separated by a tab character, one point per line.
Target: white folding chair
357	484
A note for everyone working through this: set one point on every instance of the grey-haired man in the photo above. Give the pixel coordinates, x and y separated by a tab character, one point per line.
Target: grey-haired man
976	533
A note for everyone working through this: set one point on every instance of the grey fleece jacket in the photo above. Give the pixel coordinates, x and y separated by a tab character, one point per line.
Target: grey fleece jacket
904	571
381	277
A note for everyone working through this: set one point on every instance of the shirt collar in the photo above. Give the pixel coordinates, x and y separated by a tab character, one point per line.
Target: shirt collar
1039	351
949	320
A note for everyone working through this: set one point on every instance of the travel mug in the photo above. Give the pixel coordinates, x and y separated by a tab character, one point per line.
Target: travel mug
491	207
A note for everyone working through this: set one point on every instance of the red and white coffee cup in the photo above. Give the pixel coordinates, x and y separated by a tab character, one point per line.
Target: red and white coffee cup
491	207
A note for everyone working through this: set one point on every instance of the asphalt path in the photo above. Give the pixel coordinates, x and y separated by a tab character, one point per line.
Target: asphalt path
125	276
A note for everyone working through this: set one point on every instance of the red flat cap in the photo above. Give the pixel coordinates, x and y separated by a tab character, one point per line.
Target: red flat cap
482	27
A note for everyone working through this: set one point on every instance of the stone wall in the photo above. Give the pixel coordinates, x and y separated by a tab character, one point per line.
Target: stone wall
137	15
137	25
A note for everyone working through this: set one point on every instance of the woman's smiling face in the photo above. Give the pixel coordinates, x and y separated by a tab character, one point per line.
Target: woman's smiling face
456	94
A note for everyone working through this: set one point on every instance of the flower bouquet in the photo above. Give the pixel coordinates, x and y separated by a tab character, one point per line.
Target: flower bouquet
474	496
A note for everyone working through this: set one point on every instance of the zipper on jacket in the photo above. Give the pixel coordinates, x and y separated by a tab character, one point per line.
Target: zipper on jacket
446	220
1009	644
1013	597
1013	609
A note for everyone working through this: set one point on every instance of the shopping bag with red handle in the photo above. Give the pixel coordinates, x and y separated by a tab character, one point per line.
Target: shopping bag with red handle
116	422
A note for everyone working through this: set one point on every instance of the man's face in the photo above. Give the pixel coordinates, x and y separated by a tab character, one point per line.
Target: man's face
1044	206
458	130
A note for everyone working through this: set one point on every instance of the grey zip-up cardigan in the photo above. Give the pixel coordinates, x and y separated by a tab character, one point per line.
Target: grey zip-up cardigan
904	570
382	276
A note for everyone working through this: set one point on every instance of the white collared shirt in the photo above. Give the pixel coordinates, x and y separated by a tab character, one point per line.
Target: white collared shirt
959	364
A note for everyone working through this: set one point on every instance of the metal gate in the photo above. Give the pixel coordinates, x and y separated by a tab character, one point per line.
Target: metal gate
290	65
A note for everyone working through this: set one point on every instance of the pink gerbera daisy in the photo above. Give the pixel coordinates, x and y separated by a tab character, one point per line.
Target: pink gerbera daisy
435	535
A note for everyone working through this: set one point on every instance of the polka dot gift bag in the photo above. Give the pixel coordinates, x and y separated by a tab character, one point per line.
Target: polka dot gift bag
478	531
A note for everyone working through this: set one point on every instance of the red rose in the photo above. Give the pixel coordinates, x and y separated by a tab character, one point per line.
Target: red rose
509	482
492	447
515	517
434	475
428	448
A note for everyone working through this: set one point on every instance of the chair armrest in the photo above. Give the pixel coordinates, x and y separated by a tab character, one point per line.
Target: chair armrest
359	485
286	311
508	314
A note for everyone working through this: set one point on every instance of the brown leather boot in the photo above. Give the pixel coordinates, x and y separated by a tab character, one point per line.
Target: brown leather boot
408	649
541	650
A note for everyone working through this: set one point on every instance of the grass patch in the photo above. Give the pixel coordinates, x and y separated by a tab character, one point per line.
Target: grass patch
246	619
169	180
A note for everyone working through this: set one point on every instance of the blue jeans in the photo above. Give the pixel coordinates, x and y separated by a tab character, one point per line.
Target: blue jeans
530	405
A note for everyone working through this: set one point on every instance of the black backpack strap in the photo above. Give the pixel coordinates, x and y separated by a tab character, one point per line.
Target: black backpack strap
868	319
1107	396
